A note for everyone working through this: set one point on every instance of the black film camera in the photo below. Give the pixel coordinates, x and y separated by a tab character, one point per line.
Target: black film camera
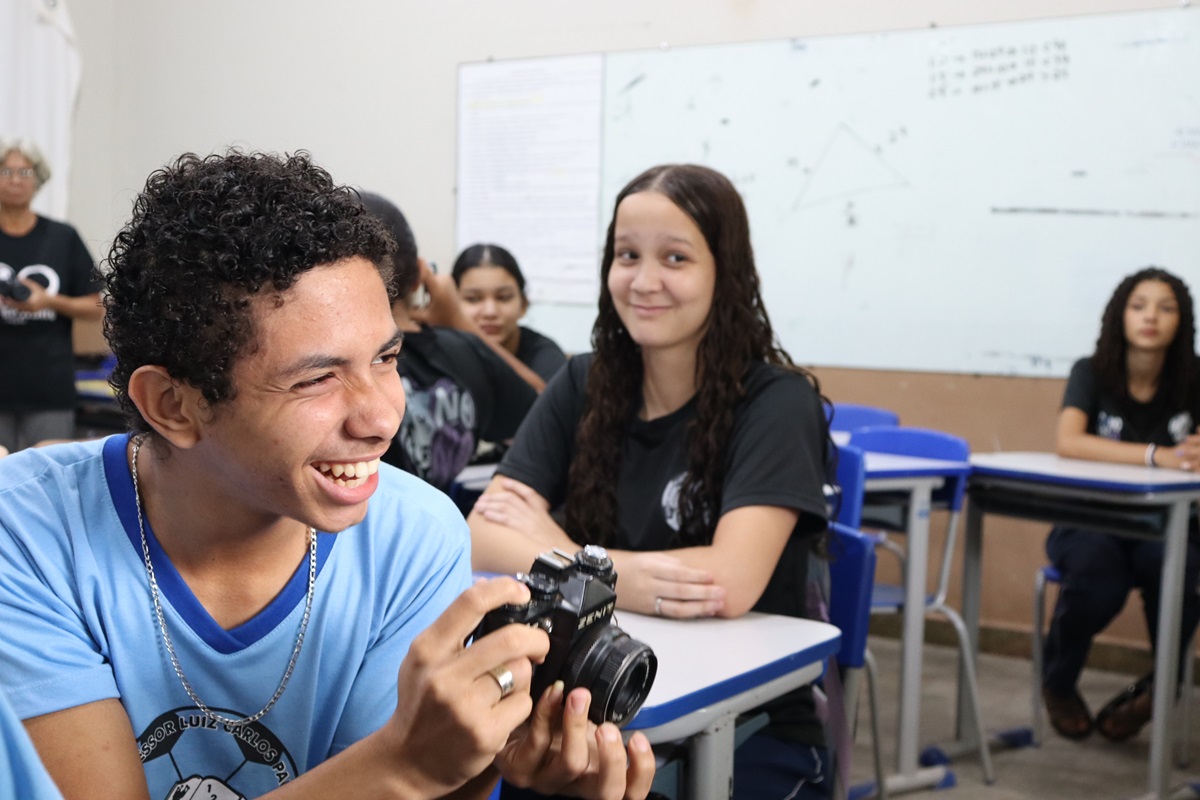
15	289
572	598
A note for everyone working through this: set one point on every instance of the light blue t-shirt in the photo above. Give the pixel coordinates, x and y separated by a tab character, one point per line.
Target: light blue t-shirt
77	622
22	774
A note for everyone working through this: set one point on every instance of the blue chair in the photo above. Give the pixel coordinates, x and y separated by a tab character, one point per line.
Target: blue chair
851	581
889	599
923	443
1183	706
851	578
850	416
846	497
850	476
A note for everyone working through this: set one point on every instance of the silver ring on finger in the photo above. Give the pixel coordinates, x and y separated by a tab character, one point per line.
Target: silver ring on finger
658	607
504	679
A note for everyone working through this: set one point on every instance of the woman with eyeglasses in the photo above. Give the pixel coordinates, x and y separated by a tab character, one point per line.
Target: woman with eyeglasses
46	283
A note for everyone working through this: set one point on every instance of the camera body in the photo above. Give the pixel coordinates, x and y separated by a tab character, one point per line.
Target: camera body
573	598
15	289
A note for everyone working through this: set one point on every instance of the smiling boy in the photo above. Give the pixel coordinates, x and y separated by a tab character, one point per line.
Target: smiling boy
219	602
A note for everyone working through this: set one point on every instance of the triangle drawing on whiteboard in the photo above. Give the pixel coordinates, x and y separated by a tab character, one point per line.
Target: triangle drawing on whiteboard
848	167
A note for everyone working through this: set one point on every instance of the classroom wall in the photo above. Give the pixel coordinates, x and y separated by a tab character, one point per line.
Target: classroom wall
368	86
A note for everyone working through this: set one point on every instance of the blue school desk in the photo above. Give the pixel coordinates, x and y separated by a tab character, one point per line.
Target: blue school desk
1128	500
711	670
915	479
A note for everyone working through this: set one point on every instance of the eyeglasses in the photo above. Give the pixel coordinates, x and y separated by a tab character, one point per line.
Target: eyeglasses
25	173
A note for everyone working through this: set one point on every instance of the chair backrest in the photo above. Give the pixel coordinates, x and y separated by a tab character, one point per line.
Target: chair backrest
850	416
851	577
921	442
926	443
851	477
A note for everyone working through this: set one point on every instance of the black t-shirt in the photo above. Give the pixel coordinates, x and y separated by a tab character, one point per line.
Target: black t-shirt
540	353
458	392
1125	419
775	457
37	362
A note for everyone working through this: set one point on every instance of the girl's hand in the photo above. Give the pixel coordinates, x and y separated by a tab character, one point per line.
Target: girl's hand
522	509
444	309
659	583
1185	455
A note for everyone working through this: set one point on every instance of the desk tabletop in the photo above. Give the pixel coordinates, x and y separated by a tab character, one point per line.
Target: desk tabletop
476	477
1051	468
702	662
887	465
94	389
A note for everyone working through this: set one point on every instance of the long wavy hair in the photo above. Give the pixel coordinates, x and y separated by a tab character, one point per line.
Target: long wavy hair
1110	361
738	333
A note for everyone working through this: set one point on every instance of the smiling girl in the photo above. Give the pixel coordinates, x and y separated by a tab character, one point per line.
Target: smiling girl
1136	400
491	288
687	443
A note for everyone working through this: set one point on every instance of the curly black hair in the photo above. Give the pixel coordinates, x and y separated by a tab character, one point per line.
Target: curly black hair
206	235
1178	379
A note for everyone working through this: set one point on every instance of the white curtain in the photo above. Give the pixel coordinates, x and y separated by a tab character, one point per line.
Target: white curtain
39	82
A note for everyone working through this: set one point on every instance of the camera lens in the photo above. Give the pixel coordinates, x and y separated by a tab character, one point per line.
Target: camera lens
618	669
15	289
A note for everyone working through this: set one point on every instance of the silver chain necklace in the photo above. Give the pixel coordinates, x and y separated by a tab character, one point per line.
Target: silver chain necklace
162	622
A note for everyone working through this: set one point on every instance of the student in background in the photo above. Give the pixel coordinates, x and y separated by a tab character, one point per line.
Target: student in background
46	283
687	443
1136	400
461	388
492	289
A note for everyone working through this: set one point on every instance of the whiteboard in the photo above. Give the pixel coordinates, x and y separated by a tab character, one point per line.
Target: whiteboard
529	169
960	200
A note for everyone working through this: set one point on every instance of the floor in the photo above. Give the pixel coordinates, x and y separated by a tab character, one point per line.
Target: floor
1093	769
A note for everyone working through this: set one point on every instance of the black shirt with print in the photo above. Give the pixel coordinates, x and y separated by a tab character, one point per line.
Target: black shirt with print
1125	419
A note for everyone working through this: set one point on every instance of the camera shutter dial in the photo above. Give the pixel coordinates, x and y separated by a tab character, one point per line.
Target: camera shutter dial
594	559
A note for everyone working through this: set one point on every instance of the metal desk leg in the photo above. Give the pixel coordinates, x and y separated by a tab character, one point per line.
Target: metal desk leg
912	643
1166	661
972	577
710	762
